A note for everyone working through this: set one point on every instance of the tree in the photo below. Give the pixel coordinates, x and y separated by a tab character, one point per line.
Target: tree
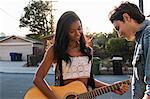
114	34
37	18
100	39
118	46
99	42
2	34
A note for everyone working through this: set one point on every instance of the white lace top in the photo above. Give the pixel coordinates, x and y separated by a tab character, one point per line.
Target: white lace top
80	68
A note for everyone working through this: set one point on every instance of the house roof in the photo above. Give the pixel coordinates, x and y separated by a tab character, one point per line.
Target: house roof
22	38
2	37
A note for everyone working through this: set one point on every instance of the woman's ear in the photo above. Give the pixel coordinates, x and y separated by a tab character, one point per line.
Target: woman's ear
126	17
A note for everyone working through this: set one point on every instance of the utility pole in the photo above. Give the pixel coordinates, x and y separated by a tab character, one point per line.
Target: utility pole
52	16
141	5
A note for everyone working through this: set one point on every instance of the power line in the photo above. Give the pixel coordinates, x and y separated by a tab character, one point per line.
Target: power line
8	14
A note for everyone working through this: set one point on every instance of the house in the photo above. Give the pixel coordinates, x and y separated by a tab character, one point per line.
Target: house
21	45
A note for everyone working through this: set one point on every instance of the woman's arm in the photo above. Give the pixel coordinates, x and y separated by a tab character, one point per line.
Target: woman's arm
39	78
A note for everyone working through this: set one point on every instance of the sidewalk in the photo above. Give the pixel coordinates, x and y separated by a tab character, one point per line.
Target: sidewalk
17	67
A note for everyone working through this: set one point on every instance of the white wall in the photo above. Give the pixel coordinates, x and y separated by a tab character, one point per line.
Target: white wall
5	51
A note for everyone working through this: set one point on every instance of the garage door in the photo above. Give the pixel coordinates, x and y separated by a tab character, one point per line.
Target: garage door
5	51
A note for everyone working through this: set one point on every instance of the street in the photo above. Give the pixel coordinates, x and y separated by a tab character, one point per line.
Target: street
14	86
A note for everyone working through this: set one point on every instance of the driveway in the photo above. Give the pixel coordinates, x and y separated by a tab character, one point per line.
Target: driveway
12	63
18	67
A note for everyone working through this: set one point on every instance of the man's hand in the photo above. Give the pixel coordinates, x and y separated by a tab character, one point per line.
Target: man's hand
146	97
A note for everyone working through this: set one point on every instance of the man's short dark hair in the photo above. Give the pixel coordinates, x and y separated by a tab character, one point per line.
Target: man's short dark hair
131	9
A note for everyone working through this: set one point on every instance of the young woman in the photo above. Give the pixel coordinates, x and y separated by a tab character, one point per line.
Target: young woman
72	57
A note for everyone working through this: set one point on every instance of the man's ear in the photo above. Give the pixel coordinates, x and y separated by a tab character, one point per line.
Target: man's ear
126	17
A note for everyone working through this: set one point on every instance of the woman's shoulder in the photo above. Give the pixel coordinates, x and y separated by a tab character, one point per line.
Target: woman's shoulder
50	48
51	51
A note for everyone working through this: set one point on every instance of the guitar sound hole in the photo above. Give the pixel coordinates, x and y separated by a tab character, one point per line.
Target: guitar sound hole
71	97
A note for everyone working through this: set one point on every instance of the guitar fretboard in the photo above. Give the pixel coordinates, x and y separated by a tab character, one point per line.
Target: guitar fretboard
103	90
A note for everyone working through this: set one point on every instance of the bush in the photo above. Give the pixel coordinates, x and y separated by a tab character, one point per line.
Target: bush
96	63
32	60
106	63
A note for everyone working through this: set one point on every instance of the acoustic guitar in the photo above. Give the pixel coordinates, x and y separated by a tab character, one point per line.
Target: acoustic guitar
74	89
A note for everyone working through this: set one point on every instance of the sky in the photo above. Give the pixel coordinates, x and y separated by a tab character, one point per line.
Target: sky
93	14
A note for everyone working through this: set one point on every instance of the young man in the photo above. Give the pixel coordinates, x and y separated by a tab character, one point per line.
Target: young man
131	24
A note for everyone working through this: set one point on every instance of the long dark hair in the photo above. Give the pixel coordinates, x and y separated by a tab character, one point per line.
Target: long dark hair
62	39
61	45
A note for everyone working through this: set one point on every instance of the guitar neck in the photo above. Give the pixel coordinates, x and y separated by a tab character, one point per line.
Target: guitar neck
103	90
